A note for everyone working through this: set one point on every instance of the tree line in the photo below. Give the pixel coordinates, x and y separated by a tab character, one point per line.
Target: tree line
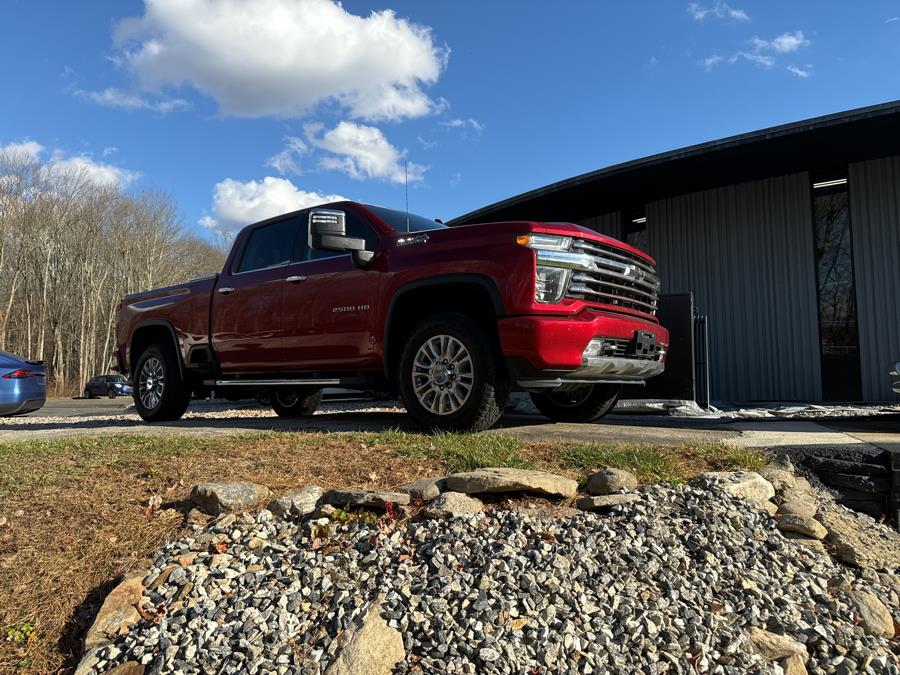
70	248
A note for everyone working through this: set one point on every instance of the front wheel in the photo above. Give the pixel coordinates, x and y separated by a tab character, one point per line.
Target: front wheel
111	393
296	402
448	376
583	404
160	393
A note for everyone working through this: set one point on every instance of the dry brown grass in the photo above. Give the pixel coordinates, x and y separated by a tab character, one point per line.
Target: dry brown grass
76	510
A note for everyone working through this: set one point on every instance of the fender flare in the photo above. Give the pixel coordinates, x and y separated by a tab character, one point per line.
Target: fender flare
486	282
165	323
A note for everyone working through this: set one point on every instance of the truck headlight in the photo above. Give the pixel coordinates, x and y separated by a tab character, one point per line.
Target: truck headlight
550	283
545	242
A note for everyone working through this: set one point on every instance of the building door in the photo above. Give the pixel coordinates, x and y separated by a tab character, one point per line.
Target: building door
836	291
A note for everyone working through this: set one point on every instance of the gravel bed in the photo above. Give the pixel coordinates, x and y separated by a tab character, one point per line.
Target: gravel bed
197	415
667	584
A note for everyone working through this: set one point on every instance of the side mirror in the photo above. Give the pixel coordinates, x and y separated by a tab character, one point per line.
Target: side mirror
328	232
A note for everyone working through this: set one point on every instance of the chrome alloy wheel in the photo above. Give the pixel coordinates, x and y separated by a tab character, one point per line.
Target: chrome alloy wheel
151	383
443	374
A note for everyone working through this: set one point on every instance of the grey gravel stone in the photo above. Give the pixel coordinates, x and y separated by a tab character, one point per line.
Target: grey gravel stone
375	498
494	480
297	503
450	504
610	481
219	498
424	489
744	484
605	502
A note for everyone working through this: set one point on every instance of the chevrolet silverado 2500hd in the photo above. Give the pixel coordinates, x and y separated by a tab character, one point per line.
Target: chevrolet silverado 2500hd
357	296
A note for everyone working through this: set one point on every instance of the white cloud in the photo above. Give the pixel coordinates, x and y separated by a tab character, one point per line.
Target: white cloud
282	57
783	44
711	62
236	204
720	10
116	98
361	152
96	172
111	150
29	149
893	19
288	160
469	123
100	173
803	72
763	60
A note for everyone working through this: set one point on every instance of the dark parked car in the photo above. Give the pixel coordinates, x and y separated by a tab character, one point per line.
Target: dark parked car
895	376
23	387
107	385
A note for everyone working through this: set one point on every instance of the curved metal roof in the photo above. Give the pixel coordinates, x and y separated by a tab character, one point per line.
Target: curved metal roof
820	144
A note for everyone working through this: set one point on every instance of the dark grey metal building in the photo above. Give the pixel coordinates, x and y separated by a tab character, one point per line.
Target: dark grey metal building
788	238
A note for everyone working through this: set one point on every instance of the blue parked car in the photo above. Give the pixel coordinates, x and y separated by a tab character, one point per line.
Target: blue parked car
107	385
23	385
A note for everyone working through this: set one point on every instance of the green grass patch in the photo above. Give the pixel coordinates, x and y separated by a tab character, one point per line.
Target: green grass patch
649	463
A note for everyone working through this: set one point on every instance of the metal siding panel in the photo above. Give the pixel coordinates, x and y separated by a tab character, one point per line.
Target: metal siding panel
875	231
609	224
745	251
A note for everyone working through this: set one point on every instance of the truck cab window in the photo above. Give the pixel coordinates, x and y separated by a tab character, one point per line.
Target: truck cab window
268	245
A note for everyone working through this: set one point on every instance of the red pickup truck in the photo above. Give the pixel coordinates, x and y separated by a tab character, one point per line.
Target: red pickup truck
363	297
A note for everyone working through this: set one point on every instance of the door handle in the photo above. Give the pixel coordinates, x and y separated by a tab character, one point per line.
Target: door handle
296	280
225	290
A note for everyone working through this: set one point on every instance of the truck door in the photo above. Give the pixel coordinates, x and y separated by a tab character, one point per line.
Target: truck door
330	306
246	322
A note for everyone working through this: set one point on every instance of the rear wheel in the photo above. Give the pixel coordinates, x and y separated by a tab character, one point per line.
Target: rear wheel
584	404
160	393
87	393
296	402
448	376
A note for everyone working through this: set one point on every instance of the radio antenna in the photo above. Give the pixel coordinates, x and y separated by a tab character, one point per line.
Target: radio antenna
406	186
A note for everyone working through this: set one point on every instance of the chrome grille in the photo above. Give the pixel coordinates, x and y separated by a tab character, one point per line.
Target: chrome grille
616	277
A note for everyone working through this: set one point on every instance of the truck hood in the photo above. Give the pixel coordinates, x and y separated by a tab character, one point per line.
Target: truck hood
524	226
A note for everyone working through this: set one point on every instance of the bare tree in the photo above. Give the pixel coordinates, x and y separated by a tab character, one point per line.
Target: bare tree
70	248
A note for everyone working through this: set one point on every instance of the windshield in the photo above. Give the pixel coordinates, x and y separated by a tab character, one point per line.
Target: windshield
397	220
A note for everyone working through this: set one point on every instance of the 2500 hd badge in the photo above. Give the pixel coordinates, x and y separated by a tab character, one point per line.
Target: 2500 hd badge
350	308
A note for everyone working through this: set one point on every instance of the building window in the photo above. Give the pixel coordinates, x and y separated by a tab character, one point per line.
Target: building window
635	228
836	291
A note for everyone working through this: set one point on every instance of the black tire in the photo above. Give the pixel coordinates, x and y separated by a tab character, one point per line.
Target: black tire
173	393
296	402
111	393
482	406
87	394
585	404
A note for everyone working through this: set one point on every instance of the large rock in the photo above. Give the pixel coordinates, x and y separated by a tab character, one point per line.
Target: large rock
424	489
794	665
744	484
451	504
296	504
811	543
775	647
805	508
605	502
492	480
118	613
377	498
804	525
781	478
860	541
876	619
373	649
219	498
610	481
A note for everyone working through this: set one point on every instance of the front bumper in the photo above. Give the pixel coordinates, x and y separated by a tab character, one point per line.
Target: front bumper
550	351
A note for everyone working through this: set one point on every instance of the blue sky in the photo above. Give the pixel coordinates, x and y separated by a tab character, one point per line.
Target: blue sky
239	109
